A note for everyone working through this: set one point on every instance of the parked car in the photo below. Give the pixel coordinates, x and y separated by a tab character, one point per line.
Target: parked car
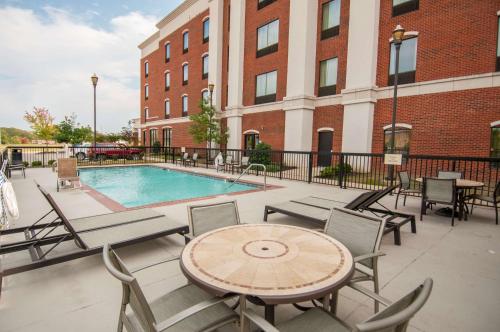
105	151
80	151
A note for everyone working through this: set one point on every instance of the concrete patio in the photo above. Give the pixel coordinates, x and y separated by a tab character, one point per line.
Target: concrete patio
80	295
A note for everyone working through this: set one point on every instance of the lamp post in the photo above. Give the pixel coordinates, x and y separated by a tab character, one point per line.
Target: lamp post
211	87
211	90
397	39
94	79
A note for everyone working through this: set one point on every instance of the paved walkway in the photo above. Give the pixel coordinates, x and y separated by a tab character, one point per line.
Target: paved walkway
80	295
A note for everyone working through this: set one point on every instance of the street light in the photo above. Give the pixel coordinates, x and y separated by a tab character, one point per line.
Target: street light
397	39
211	87
94	79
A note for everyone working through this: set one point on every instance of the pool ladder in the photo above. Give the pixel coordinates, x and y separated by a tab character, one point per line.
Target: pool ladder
246	171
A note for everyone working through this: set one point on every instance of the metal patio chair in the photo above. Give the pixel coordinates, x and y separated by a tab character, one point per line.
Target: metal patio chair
493	199
245	162
361	234
182	160
450	175
394	318
68	175
187	308
17	166
191	161
439	191
404	188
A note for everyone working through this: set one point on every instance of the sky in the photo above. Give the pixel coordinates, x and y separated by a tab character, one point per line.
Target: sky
50	49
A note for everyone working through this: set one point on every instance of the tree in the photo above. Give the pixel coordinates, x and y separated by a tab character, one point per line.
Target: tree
206	128
41	122
69	131
127	133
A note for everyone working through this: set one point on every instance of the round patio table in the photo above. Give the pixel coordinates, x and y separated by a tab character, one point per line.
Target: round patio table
275	264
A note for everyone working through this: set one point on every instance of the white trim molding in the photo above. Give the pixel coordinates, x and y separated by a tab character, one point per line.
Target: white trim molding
167	127
399	125
205	18
322	129
206	53
167	42
166	71
185	63
184	31
495	123
203	90
251	131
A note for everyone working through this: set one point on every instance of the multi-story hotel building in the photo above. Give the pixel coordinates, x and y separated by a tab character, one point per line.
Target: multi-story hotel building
306	75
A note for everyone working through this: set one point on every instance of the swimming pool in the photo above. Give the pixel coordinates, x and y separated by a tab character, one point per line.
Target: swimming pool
144	185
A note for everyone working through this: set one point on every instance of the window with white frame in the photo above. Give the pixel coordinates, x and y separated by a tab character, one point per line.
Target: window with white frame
407	62
153	136
265	87
330	24
167	137
498	45
167	52
185	42
167	81
146	69
146	92
400	7
206	30
267	38
204	67
146	113
144	137
328	77
495	144
167	108
185	74
184	105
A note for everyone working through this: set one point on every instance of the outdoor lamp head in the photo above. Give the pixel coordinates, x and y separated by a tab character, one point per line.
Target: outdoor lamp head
211	87
398	34
94	79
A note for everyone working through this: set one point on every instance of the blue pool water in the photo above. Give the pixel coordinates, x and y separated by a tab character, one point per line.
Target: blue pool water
143	185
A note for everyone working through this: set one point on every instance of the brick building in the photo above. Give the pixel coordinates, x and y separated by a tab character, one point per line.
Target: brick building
317	74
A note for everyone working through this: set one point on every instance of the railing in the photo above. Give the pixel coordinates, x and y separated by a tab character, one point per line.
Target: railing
248	169
346	170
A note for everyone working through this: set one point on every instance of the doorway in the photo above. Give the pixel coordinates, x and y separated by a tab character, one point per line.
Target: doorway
325	143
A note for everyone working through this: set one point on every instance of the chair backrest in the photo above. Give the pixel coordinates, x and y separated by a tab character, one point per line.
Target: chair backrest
377	197
496	193
449	175
195	156
67	168
204	218
360	233
404	179
358	201
396	317
245	161
439	190
229	159
185	155
132	293
4	166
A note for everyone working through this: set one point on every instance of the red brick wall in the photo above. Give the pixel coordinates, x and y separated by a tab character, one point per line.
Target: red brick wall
332	117
335	46
453	123
456	38
270	125
180	135
254	66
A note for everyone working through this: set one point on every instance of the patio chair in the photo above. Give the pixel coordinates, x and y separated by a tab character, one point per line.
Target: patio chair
361	234
219	162
493	199
68	175
449	175
395	317
404	188
187	308
245	162
439	191
182	160
228	162
18	166
192	161
207	217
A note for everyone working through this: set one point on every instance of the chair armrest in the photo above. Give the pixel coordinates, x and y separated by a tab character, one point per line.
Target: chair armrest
259	321
189	237
367	256
186	313
370	294
154	264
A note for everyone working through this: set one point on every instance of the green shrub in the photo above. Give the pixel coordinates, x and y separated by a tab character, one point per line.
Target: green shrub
26	164
261	154
36	163
156	147
51	161
330	172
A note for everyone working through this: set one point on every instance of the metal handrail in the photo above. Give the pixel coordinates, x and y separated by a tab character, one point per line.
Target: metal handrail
247	169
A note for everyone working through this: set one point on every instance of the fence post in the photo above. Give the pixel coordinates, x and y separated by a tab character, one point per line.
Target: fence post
165	155
310	168
453	165
207	159
282	153
341	170
43	156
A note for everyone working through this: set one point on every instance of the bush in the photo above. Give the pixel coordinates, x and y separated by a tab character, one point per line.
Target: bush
330	172
36	163
51	161
156	147
26	164
261	154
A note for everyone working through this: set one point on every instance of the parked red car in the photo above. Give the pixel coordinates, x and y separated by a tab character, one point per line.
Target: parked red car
105	151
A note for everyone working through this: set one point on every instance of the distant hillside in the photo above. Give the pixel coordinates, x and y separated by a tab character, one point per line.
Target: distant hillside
15	135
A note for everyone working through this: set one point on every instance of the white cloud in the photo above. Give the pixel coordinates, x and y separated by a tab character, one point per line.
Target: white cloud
47	60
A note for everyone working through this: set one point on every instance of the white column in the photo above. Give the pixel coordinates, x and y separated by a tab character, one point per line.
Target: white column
216	9
235	75
298	103
358	96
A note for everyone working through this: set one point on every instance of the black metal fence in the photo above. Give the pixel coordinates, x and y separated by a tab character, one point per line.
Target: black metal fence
346	170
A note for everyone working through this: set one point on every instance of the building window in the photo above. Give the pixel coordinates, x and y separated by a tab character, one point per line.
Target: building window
251	140
144	137
185	42
185	72
167	52
327	77
330	25
167	81
153	136
167	137
167	109
146	69
267	38
184	105
204	67
400	7
146	113
146	92
495	144
407	62
265	88
263	3
401	140
205	96
498	46
206	30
